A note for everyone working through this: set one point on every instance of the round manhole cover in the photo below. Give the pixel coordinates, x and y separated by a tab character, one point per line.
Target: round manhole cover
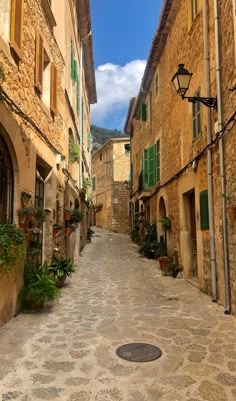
139	352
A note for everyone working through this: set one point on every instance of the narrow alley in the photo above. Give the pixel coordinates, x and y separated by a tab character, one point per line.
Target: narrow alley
117	297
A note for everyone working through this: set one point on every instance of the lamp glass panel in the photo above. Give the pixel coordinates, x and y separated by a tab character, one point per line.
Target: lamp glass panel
184	81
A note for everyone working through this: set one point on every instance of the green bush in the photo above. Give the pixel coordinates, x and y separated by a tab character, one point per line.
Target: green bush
39	288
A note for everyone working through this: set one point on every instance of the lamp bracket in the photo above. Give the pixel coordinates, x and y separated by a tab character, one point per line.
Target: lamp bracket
207	101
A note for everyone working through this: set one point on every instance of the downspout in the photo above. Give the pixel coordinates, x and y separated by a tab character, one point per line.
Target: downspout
209	154
80	115
221	155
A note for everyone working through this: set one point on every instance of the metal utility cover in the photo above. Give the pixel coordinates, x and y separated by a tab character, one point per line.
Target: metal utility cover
139	352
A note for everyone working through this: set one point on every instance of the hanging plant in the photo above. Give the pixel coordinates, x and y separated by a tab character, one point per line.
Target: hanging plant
11	247
166	223
25	198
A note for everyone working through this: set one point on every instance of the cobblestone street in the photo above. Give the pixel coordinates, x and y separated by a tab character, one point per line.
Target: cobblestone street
69	352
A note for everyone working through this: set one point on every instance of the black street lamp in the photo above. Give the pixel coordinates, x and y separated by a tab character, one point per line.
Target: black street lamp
181	81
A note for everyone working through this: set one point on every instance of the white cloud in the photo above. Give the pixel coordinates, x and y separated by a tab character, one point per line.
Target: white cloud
116	85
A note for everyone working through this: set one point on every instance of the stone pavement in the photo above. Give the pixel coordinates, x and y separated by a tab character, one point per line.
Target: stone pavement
69	352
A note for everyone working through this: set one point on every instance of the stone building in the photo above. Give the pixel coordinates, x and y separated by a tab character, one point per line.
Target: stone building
182	167
110	180
46	56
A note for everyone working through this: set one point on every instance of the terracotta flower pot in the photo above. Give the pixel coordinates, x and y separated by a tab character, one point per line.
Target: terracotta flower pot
68	216
22	219
61	281
68	231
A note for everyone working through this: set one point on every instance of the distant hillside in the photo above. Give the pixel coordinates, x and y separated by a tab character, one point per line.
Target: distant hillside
102	135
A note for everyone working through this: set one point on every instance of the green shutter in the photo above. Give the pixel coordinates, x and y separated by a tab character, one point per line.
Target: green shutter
152	166
75	71
145	169
144	112
94	184
82	122
204	214
158	175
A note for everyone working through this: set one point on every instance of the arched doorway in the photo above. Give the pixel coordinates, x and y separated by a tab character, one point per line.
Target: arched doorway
161	230
6	184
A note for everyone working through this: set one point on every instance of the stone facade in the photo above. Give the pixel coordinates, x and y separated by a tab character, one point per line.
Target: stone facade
184	165
39	108
110	175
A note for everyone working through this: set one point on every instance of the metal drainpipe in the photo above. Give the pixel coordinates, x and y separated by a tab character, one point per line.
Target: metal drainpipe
209	155
80	114
221	155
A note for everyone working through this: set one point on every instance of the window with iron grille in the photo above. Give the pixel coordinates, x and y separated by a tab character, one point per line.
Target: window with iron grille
6	184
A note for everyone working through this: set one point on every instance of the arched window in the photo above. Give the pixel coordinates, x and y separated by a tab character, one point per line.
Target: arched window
6	184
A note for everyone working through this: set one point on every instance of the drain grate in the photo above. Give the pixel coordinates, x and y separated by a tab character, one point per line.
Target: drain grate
139	352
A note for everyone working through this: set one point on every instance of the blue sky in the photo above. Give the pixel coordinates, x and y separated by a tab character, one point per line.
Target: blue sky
122	35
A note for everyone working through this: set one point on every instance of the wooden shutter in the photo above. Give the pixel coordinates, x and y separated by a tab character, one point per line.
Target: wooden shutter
94	184
158	171
16	34
204	214
144	112
53	93
39	63
152	166
145	169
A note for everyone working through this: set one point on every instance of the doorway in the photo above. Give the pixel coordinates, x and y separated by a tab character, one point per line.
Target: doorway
193	233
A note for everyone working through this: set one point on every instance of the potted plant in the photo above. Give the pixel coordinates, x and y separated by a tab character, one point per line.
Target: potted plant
76	216
61	269
150	247
90	233
25	198
39	287
166	223
56	229
172	269
68	214
23	213
70	229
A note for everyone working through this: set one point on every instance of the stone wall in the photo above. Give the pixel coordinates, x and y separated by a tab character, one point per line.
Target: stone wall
170	120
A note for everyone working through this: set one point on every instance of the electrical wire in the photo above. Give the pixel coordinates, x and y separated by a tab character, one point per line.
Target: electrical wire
16	109
219	135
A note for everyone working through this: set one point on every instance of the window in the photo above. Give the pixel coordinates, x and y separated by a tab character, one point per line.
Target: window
144	112
196	112
193	9
204	214
94	184
6	184
16	36
127	148
100	157
45	76
73	64
53	92
150	167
